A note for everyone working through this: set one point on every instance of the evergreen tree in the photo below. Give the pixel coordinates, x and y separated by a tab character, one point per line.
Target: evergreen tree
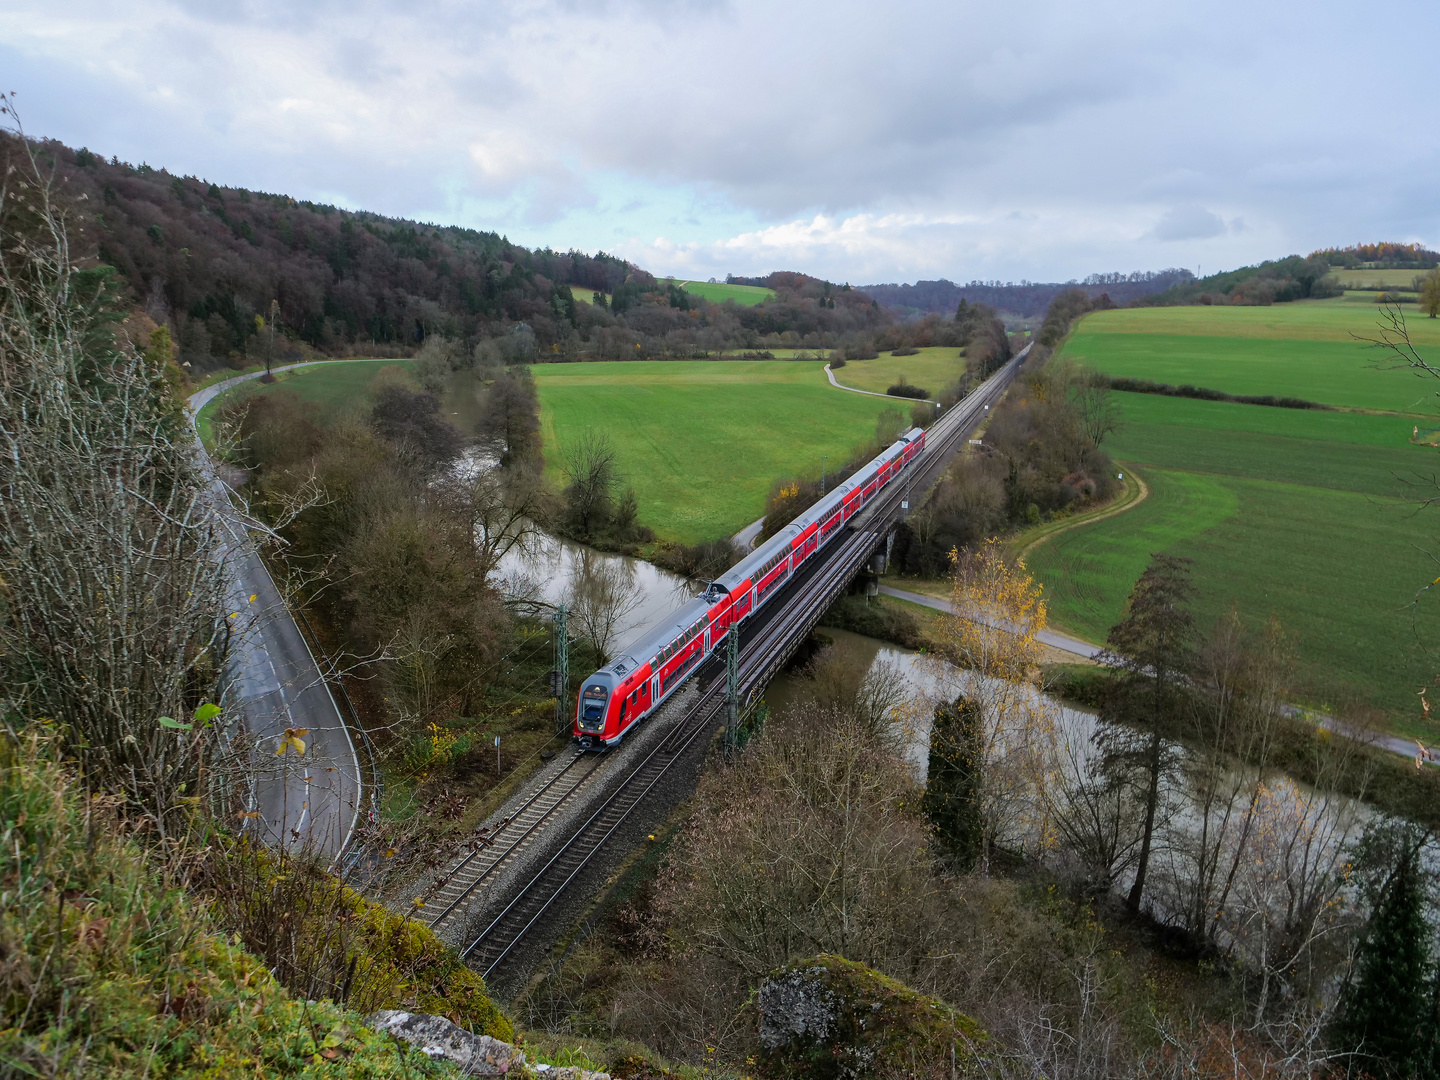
1385	1011
1151	649
952	786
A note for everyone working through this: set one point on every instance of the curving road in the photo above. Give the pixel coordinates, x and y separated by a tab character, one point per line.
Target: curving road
311	800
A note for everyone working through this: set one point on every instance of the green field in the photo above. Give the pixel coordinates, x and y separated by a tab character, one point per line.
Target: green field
583	295
1376	279
335	386
718	292
932	369
1331	372
1306	320
701	441
1309	516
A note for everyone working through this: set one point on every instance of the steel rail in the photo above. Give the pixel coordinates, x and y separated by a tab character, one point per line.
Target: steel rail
519	840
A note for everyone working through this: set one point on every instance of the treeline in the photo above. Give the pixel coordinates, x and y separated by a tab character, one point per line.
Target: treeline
1041	455
1382	256
219	265
1203	393
1025	299
1275	281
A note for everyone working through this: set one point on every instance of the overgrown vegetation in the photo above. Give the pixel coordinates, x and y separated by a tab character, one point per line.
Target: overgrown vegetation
110	967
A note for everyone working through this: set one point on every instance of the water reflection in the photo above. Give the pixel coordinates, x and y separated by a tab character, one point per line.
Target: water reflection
553	570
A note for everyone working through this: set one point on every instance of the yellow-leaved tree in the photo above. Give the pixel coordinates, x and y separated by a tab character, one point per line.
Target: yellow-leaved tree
992	638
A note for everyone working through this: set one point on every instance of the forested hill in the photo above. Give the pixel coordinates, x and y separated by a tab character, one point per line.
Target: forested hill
1028	299
209	261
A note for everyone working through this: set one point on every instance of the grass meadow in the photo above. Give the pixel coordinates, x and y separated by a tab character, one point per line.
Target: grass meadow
932	369
718	293
701	441
1311	517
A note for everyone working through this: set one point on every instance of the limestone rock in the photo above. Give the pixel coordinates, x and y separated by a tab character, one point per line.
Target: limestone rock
439	1039
567	1072
829	1018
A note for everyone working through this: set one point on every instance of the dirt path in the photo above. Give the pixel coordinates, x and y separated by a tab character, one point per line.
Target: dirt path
1132	498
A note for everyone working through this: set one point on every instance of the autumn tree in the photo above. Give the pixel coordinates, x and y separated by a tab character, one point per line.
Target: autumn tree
992	638
1430	293
1150	648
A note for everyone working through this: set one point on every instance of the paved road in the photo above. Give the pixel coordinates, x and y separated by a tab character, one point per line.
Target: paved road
314	799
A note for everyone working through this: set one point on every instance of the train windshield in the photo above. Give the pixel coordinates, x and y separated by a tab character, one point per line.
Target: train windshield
592	702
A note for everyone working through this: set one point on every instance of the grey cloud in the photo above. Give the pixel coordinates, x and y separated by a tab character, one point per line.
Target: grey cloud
1188	223
1058	127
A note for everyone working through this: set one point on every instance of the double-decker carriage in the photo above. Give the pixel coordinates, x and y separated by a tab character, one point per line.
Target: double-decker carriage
659	660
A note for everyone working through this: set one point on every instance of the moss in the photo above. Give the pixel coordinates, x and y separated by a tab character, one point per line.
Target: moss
109	969
860	1024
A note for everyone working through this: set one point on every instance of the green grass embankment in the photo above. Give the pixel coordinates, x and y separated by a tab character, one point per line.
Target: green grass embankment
113	970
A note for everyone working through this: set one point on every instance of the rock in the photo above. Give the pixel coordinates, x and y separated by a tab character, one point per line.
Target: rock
829	1018
437	1038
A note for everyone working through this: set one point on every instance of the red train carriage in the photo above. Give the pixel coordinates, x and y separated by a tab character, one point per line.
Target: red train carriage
665	654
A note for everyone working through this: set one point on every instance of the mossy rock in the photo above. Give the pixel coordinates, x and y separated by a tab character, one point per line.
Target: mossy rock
829	1017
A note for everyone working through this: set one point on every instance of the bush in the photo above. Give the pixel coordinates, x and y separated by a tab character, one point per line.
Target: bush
906	390
905	350
837	363
707	560
877	619
322	939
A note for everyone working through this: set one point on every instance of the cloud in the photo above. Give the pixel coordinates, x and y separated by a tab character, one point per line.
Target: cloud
1188	223
1041	138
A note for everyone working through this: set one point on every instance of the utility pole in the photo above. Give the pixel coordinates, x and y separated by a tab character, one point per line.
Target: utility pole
732	689
822	474
562	671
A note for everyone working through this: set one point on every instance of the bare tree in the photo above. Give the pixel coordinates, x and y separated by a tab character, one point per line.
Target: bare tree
589	464
1100	413
602	593
499	507
843	679
110	608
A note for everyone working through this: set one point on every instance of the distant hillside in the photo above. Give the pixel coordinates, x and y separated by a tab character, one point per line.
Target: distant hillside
1027	299
209	260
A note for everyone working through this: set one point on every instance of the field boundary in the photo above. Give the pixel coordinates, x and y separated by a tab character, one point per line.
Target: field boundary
1134	495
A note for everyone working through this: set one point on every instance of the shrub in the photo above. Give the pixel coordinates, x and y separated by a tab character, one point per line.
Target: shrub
905	350
837	363
322	939
906	390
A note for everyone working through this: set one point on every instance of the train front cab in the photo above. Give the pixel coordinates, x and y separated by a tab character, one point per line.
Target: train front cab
592	712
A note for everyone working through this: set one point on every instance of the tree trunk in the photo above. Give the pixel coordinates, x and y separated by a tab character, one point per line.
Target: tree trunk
1152	798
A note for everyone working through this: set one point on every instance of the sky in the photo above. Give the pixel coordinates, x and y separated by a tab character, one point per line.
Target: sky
1029	140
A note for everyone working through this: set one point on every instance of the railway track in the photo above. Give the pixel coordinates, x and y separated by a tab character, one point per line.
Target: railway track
764	648
497	847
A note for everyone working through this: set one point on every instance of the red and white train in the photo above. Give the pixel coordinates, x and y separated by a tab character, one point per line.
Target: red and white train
657	663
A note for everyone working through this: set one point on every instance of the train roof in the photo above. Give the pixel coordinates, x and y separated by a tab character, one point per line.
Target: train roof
650	640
